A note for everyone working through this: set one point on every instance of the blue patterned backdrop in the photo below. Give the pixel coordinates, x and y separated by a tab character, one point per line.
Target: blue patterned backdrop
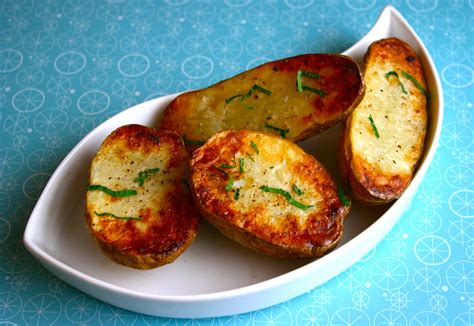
66	66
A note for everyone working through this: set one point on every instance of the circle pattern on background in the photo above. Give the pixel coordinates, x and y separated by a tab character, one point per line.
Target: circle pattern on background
70	63
28	100
93	102
10	60
68	66
133	65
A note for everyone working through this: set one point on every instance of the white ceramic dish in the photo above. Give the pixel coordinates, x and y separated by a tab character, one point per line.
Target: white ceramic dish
214	277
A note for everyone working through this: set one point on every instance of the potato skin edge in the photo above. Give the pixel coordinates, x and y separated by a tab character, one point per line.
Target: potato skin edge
133	259
253	241
175	112
366	193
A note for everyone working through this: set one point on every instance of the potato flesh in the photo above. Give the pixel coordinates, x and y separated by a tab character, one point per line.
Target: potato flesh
272	167
200	114
380	168
156	224
213	114
265	221
120	174
398	125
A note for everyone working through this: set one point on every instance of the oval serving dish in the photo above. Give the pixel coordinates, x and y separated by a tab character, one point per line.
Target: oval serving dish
214	277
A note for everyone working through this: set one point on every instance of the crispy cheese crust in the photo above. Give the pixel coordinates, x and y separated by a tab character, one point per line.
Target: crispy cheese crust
231	179
154	226
379	169
198	115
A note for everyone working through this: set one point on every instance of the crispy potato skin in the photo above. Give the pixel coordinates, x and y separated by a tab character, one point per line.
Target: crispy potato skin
168	218
199	114
378	170
267	222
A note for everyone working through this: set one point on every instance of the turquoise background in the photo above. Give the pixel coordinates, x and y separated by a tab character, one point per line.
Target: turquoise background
66	66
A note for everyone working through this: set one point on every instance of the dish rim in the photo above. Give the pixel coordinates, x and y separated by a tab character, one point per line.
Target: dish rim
285	278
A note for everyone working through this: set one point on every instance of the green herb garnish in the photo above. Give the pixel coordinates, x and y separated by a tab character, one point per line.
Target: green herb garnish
251	157
282	131
314	90
113	193
416	82
237	194
301	87
230	99
126	218
260	89
220	170
393	73
227	166
340	193
374	127
193	142
287	196
249	93
296	190
230	184
309	74
254	146
143	175
241	165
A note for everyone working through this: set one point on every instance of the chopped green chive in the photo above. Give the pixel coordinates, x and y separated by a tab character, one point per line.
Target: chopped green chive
314	90
113	193
143	175
237	194
227	166
340	193
260	89
251	157
287	196
416	82
282	131
249	93
393	73
241	165
193	142
230	184
297	190
301	87
254	146
310	74
220	170
374	127
299	84
230	99
125	218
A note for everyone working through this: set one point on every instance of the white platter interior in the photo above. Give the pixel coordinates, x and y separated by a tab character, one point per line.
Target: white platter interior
215	276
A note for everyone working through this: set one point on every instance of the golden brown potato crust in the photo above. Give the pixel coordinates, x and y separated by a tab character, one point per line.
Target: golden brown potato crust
157	224
379	169
261	220
199	114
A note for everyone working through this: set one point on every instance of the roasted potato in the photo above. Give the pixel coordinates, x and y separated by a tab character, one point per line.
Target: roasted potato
383	137
139	208
294	98
267	194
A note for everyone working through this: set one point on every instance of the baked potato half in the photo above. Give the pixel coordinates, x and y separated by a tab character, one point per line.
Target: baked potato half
295	98
138	208
267	194
383	137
